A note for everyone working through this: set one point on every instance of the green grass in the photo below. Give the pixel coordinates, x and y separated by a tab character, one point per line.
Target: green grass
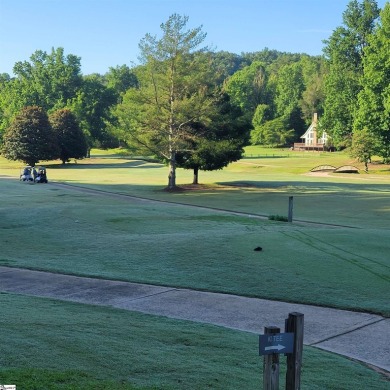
74	346
64	230
102	236
258	186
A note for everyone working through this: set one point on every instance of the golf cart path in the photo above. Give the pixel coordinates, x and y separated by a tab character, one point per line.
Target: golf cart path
361	336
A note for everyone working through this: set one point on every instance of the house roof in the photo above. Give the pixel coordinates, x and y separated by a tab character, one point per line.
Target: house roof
309	130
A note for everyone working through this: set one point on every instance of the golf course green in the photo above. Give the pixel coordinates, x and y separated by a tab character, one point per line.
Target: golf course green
109	217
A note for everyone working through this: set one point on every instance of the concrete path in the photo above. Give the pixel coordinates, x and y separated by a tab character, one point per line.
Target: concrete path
361	336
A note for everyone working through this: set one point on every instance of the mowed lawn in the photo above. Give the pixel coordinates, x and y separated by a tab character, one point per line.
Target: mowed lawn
342	263
51	345
341	260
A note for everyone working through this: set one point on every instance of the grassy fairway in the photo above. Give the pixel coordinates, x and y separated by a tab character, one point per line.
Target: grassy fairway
81	347
252	185
50	227
104	236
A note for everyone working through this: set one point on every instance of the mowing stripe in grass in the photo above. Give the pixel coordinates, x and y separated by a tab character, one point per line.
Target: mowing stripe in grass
324	247
348	252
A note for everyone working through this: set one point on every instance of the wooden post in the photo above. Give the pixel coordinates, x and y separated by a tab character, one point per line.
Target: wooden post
290	208
271	365
294	324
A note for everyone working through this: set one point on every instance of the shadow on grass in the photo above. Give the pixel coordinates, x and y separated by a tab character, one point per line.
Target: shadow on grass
118	165
312	186
222	187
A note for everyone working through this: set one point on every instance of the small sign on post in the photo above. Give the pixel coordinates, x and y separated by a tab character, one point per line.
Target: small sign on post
272	343
276	343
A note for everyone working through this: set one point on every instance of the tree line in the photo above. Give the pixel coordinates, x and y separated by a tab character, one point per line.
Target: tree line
195	108
33	136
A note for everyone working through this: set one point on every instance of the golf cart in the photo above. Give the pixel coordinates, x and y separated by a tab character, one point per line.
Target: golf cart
41	175
27	174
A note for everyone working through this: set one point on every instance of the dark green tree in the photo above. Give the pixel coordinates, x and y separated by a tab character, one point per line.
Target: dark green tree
30	137
218	143
71	140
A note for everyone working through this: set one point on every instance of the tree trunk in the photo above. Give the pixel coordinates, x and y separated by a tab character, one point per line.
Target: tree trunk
196	176
172	172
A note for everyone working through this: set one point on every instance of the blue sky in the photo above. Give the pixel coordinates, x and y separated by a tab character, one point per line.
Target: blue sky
106	33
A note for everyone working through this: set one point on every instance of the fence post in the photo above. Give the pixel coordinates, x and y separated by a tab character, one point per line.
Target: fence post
294	324
271	365
290	208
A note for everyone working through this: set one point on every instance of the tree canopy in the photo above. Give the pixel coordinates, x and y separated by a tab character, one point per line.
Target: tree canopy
170	106
30	137
373	113
172	95
48	80
70	138
344	51
92	107
220	142
54	81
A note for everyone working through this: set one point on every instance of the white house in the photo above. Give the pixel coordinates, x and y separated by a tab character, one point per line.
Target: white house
311	138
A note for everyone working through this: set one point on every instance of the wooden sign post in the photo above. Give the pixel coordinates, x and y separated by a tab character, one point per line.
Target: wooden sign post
294	324
272	343
271	364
